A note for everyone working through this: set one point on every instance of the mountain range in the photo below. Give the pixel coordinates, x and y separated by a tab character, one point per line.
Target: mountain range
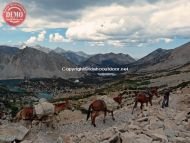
75	57
108	60
162	59
19	63
41	62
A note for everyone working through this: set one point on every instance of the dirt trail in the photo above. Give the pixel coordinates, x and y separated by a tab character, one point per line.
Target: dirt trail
123	117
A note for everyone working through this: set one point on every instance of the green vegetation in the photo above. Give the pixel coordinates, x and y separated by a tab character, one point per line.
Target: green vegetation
13	108
173	73
3	89
182	85
146	82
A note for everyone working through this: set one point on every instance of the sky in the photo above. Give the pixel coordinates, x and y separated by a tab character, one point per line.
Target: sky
101	26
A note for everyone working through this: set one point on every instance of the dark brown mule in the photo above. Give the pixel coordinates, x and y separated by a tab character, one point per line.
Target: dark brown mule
96	107
145	97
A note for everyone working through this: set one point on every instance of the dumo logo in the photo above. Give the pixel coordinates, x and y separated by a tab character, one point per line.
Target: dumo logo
14	14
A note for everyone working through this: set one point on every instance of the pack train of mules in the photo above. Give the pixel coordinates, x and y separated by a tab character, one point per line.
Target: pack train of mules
103	104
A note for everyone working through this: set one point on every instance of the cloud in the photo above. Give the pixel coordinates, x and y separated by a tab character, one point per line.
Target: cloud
39	38
31	40
94	44
117	23
56	37
167	40
63	12
2	5
116	43
121	25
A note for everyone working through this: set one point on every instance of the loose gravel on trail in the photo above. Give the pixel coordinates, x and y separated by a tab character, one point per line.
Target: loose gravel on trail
84	126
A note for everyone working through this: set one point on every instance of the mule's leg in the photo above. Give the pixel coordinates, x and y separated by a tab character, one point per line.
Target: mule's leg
150	102
147	103
40	125
141	106
135	105
167	101
105	113
111	111
94	118
112	115
92	114
52	121
163	103
30	127
57	117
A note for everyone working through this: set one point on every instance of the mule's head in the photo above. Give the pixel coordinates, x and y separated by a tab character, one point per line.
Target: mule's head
69	105
118	99
62	106
154	91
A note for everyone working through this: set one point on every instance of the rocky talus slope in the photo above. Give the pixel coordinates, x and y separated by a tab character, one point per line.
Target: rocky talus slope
154	125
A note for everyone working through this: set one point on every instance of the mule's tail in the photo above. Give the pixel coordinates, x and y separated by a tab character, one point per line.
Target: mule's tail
89	111
135	105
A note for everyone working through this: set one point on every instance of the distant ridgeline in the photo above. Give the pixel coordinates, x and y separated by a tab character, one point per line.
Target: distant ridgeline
39	62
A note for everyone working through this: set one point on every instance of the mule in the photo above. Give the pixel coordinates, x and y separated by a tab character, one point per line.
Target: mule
96	107
28	113
102	103
118	99
62	106
145	97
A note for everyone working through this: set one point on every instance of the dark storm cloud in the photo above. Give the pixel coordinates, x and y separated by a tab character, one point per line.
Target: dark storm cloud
67	5
60	10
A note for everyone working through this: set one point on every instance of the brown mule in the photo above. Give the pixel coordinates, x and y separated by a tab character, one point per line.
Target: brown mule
62	106
118	99
96	107
28	113
144	97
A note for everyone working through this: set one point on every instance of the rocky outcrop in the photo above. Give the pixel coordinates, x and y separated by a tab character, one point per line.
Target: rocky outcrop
154	125
12	132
